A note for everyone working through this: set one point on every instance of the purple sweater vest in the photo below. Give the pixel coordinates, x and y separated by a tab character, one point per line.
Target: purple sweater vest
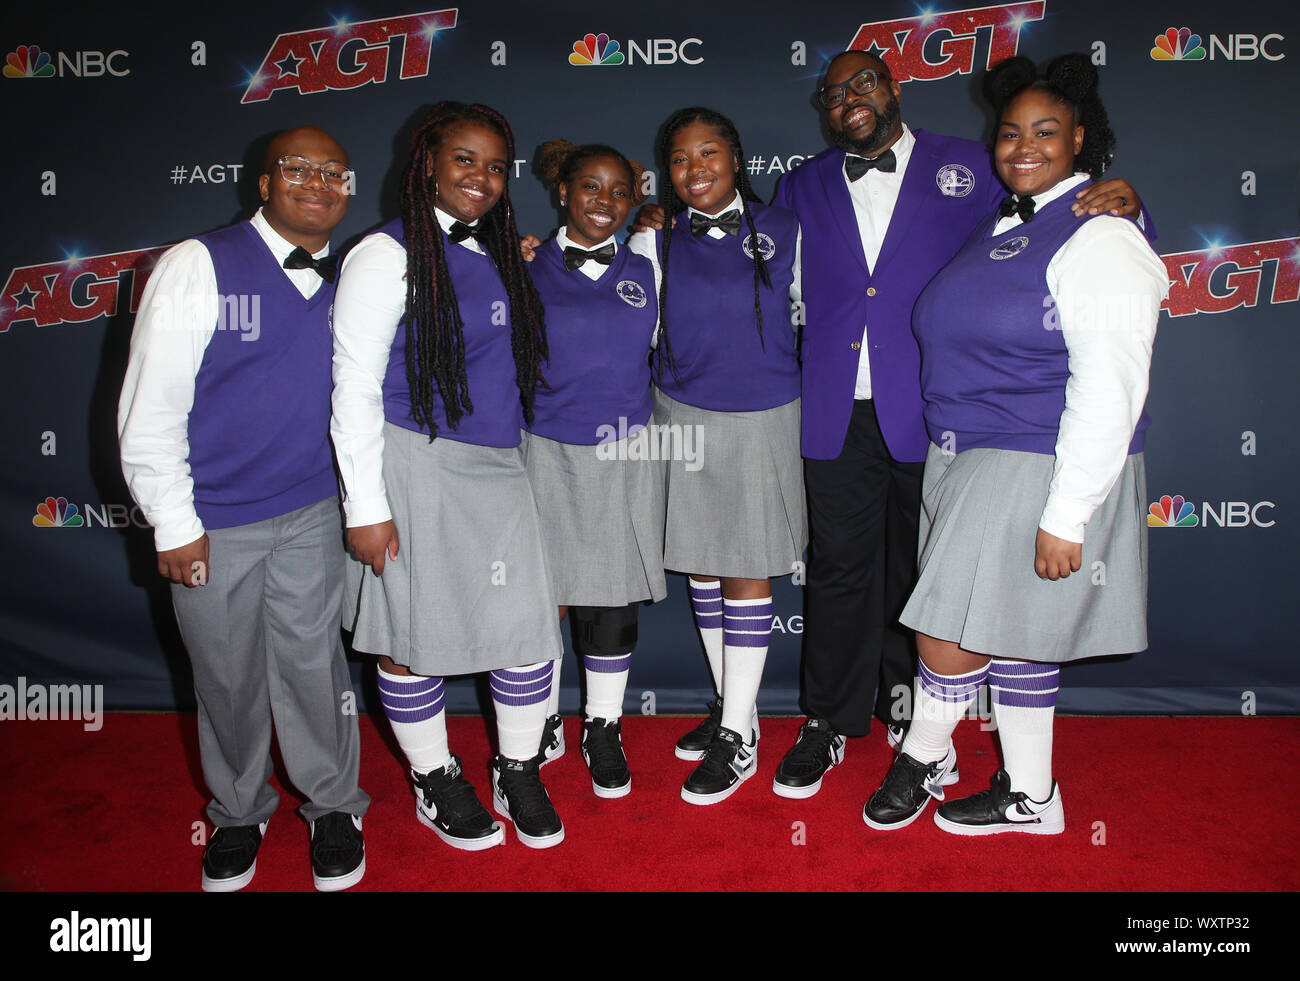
993	360
259	425
489	361
599	334
709	307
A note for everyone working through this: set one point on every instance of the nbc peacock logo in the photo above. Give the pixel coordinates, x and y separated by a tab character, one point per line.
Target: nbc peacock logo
1172	512
596	49
1178	44
28	61
57	512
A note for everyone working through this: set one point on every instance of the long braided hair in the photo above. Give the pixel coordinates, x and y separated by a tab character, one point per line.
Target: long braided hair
435	332
674	205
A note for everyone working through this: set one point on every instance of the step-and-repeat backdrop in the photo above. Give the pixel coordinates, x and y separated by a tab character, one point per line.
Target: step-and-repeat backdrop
128	130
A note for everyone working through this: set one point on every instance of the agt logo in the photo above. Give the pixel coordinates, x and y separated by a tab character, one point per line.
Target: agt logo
1180	44
1178	512
76	291
346	56
601	49
1224	277
59	512
29	61
935	45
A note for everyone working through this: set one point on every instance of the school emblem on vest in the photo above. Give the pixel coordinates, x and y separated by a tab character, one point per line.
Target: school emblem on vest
954	180
766	247
1012	246
631	293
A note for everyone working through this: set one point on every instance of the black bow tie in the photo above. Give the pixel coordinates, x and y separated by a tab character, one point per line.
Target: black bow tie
300	258
575	257
1024	208
728	221
855	167
460	231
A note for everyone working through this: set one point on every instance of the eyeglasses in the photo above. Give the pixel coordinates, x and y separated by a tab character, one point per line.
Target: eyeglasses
863	82
299	170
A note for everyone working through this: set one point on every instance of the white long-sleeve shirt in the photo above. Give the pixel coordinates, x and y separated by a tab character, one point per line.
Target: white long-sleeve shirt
179	311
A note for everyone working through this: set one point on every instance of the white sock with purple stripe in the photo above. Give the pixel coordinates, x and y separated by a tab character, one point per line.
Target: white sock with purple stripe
941	701
706	602
520	696
414	706
747	628
1024	706
606	684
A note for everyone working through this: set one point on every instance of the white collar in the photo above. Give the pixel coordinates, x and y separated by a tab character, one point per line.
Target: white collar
445	221
280	246
737	204
1057	189
563	241
902	148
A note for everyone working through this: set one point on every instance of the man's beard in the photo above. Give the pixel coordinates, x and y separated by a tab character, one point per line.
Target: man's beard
886	121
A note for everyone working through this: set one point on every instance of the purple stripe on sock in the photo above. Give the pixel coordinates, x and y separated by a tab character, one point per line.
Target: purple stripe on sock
416	686
1024	699
1010	668
706	604
404	702
515	676
709	622
710	590
731	639
506	696
417	709
607	665
509	686
951	688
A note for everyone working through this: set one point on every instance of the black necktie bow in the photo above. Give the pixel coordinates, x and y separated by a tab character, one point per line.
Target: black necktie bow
300	258
855	167
575	257
460	231
728	221
1024	208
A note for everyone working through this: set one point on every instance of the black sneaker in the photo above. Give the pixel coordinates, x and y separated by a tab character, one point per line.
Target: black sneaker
552	747
894	735
907	790
818	748
695	743
999	809
338	851
230	860
518	794
445	801
602	748
727	764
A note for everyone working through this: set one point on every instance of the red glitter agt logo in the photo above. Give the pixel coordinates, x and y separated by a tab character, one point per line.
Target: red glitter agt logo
1224	277
346	56
936	45
75	291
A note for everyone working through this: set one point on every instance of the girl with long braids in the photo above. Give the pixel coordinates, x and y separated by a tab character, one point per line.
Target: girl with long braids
726	370
600	498
1033	538
438	341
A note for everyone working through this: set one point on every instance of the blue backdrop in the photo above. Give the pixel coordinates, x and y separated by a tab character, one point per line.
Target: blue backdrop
129	131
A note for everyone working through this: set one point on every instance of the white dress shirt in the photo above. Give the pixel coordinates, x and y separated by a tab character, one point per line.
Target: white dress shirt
874	196
1108	285
179	310
369	304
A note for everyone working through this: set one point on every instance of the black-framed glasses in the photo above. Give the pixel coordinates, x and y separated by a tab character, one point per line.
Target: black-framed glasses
865	81
299	170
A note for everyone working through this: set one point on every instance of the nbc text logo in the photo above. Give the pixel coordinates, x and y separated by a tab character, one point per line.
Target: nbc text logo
936	45
59	512
601	49
76	290
1178	512
29	61
1180	44
1224	277
56	512
346	56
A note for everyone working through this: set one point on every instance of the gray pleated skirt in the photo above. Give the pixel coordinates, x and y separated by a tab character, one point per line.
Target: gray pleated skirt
977	586
602	518
469	590
735	504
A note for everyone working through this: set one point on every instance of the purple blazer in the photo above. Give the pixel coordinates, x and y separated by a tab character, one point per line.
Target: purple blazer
948	188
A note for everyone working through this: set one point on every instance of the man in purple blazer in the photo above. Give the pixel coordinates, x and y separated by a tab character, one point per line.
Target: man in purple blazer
881	212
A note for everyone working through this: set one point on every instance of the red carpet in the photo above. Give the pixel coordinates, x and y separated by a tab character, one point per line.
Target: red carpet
1181	804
